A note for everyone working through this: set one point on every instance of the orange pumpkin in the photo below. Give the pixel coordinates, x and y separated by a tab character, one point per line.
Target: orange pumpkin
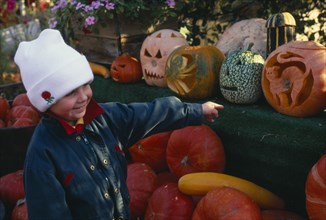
193	71
154	53
126	69
316	190
4	106
294	78
195	149
226	203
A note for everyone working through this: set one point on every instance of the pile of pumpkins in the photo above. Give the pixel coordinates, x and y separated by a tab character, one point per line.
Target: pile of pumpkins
172	175
245	65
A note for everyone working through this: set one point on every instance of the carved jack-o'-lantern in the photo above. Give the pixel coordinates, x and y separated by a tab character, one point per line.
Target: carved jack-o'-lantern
240	77
294	78
126	69
155	51
192	71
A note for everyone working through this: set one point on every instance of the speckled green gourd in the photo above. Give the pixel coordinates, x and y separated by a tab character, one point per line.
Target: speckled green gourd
240	77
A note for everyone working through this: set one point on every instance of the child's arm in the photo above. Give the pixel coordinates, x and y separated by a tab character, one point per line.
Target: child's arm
210	110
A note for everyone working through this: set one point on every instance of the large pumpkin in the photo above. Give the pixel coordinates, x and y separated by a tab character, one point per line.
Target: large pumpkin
192	71
294	78
316	190
152	151
126	69
154	53
240	76
12	188
167	203
195	149
141	182
226	203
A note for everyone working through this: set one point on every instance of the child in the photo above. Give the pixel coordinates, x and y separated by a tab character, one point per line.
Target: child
75	167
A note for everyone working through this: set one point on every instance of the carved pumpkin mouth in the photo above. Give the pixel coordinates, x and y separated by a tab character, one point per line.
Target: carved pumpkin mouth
152	75
229	88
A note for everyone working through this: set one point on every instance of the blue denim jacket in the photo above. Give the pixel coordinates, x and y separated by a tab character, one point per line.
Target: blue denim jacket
83	175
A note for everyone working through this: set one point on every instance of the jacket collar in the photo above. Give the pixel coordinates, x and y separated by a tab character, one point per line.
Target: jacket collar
92	111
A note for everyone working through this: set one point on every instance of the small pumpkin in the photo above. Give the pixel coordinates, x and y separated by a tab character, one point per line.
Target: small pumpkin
152	151
240	76
167	203
315	190
126	69
141	182
22	115
192	71
195	149
4	106
154	53
225	203
12	188
294	78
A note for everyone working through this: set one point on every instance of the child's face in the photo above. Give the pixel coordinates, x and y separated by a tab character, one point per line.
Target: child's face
73	106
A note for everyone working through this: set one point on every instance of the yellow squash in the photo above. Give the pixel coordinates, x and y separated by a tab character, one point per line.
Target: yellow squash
198	184
99	69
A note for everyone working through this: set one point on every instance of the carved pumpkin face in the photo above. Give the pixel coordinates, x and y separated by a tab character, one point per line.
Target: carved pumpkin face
240	77
192	71
294	78
126	69
155	51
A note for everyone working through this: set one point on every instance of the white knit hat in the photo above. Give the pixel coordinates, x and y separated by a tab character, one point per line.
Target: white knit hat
50	69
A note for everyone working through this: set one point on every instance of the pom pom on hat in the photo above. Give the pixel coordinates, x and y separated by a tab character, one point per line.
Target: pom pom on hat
50	69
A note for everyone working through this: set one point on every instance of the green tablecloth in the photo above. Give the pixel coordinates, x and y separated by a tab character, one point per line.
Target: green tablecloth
273	150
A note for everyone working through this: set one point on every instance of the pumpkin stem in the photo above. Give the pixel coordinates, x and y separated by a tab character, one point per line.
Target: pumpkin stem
250	46
184	161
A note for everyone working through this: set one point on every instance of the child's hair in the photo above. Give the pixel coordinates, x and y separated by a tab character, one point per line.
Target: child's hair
50	69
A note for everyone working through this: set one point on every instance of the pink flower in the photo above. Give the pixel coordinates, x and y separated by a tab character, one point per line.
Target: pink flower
11	4
170	3
90	20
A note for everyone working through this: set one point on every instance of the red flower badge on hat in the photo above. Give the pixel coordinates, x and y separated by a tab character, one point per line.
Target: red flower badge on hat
47	96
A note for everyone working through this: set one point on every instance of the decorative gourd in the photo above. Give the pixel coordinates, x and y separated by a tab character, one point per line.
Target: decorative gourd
195	149
155	51
240	77
280	30
126	69
168	203
141	182
99	69
243	33
278	214
294	78
152	151
316	190
225	203
192	71
200	183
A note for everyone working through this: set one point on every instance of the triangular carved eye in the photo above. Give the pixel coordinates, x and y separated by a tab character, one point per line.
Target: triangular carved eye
158	55
159	35
173	35
122	65
147	54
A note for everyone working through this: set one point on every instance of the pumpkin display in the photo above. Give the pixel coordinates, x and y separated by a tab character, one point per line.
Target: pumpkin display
226	203
240	76
154	53
12	188
22	115
4	107
168	203
152	151
243	33
277	214
294	78
126	69
192	71
195	149
315	190
280	30
141	182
